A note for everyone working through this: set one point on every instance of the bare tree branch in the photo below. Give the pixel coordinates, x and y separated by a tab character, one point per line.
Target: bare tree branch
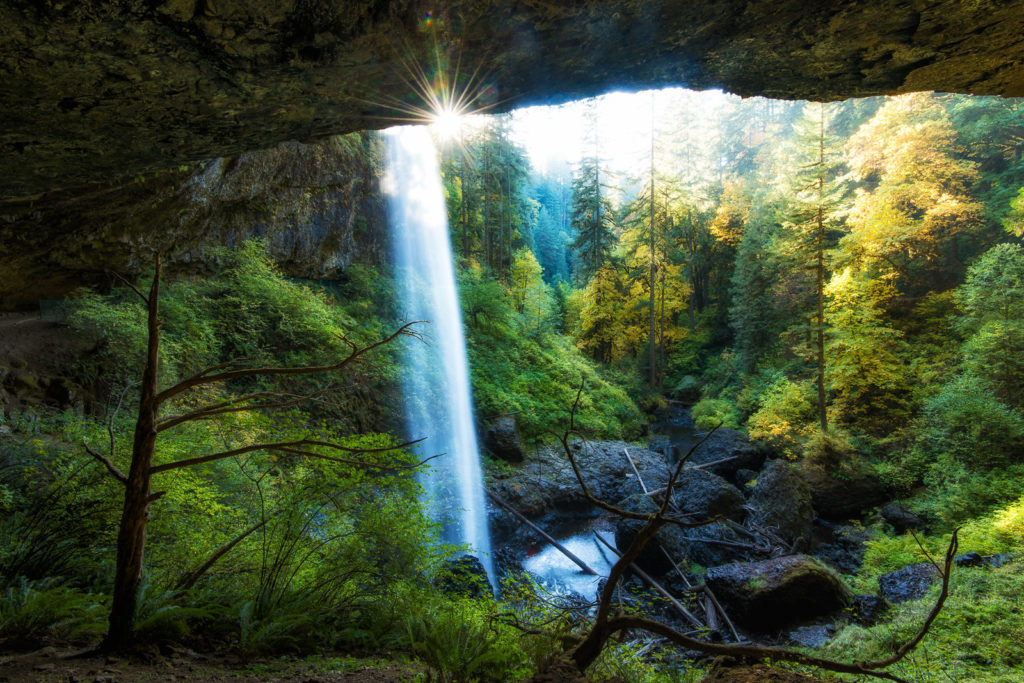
204	377
189	579
238	405
284	446
129	285
584	654
111	468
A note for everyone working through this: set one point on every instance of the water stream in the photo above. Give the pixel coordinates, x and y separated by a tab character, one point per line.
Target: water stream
435	372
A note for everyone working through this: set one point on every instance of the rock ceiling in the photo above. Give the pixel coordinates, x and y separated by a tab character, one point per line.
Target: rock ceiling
96	90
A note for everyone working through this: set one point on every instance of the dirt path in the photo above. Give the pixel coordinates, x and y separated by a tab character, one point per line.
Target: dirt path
53	665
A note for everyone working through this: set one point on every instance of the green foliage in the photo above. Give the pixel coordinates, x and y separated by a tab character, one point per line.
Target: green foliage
992	301
978	635
518	367
31	612
712	412
965	424
786	417
461	642
60	509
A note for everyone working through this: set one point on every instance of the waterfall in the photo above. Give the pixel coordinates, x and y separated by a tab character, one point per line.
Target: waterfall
435	372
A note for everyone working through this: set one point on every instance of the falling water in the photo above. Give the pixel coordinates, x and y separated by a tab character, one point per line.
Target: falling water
436	373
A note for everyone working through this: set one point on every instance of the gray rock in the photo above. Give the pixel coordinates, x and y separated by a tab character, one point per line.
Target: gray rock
971	559
867	609
652	558
502	439
900	517
777	592
746	480
845	498
999	560
782	502
728	443
703	495
812	636
909	583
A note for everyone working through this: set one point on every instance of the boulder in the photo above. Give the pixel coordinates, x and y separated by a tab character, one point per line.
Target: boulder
503	441
812	636
699	495
971	559
999	560
775	593
545	489
652	559
782	502
728	443
844	498
909	583
867	609
716	544
900	517
841	546
703	495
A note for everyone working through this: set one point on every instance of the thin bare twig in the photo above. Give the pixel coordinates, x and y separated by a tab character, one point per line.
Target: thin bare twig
111	468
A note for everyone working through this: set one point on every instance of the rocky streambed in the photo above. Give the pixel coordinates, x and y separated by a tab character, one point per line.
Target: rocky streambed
767	570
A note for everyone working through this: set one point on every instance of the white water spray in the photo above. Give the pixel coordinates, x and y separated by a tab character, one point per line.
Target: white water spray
436	373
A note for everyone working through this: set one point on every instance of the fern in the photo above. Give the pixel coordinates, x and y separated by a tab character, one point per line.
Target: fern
31	612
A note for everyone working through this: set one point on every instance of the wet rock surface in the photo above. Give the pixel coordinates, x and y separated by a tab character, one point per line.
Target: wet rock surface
812	636
702	495
781	502
845	496
545	489
317	207
900	517
840	546
730	446
100	90
909	583
867	609
502	439
776	592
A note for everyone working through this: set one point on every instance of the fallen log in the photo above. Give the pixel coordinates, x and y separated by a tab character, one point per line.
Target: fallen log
558	546
658	587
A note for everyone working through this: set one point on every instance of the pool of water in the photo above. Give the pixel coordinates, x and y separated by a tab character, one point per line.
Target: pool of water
558	574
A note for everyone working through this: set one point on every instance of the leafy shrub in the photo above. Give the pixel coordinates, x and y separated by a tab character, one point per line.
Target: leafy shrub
787	416
709	412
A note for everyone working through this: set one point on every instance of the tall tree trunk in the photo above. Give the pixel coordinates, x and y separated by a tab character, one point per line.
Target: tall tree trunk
463	216
651	348
820	287
131	537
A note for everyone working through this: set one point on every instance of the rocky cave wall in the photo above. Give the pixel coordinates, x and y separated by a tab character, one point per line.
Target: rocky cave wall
317	206
110	107
99	89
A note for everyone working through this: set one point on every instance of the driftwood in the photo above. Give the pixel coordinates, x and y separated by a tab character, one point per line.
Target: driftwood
704	465
643	487
656	586
561	548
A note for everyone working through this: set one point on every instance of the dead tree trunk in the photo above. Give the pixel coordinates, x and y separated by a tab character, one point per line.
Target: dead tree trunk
131	537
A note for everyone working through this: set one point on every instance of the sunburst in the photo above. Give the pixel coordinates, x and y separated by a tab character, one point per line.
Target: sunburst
449	100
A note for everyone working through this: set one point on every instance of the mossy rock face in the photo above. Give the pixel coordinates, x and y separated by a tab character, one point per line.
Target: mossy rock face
777	592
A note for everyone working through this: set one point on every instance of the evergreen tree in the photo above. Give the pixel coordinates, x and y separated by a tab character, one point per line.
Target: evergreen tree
816	193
